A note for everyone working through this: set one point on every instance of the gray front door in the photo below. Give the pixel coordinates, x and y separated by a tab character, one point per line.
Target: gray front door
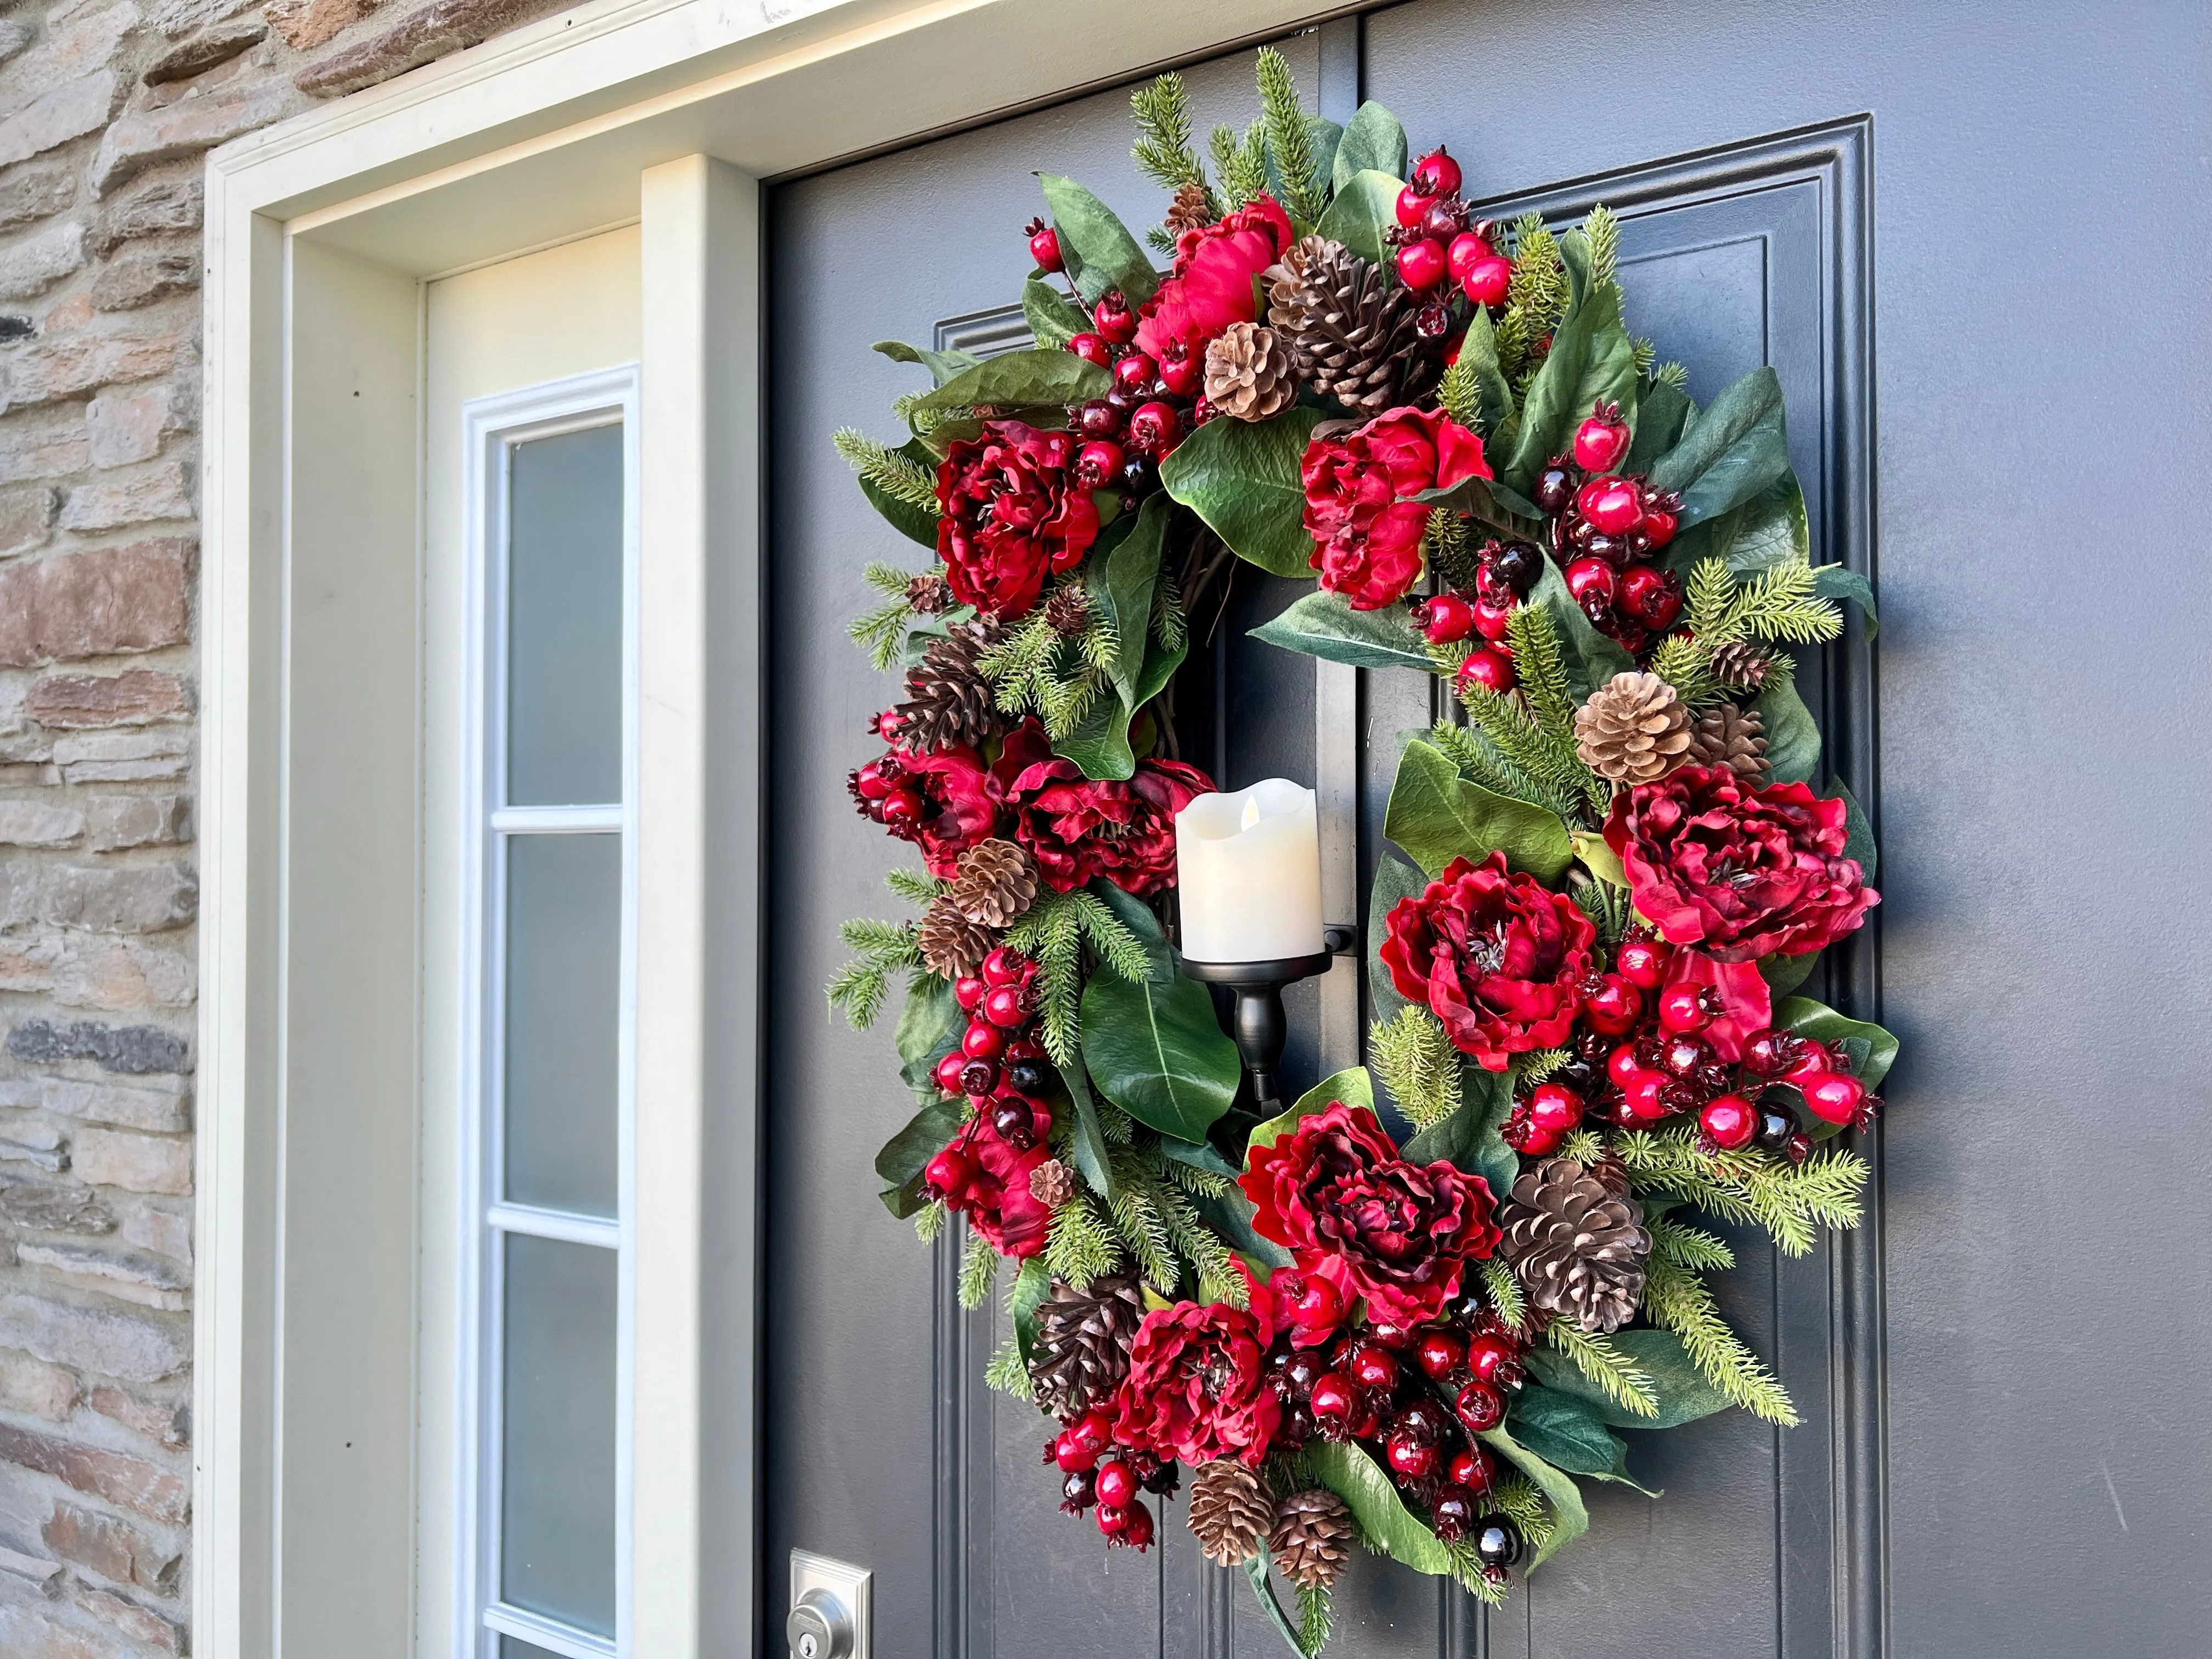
2006	1375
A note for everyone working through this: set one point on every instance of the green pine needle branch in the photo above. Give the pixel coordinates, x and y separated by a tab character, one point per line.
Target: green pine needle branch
1242	165
1479	761
1602	230
1679	1301
1519	1500
1504	1290
1460	396
1534	1068
929	1222
1445	546
1170	628
1540	668
1081	1246
1288	141
916	887
1791	1202
1690	1247
1673	375
1545	755
979	1271
1467	1569
882	632
1143	1229
880	950
1626	1384
1418	1064
1535	303
898	477
1316	1615
1008	1374
1585	1146
1219	1280
1038	669
1162	149
1606	905
1779	604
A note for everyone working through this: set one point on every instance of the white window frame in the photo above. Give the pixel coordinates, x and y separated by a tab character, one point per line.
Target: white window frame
492	428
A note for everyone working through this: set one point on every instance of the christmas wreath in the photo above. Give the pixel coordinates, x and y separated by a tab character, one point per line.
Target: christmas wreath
1406	1317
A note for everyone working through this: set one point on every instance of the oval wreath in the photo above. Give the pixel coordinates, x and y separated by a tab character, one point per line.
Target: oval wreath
1409	1323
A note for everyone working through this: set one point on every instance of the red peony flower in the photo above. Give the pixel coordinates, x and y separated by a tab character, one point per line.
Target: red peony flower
1335	1192
959	799
1368	534
1498	958
1012	512
997	1199
1738	871
1079	827
1211	285
1195	1388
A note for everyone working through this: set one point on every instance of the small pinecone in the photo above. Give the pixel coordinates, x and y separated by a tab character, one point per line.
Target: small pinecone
1068	608
1349	326
1052	1183
1578	1247
1190	210
1633	729
997	881
929	593
948	701
1731	736
1312	1539
1741	665
1082	1349
953	946
1230	1512
1247	372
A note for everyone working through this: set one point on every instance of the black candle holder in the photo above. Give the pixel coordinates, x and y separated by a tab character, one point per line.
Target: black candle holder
1261	1027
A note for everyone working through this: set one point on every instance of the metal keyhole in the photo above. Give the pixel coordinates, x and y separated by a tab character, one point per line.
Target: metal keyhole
819	1627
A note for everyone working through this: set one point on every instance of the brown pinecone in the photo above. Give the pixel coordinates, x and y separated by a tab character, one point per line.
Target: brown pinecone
996	880
1731	736
1190	210
1082	1349
1741	665
1068	608
1349	327
1577	1246
1247	372
929	593
1312	1539
1052	1183
948	701
953	946
1633	729
1230	1513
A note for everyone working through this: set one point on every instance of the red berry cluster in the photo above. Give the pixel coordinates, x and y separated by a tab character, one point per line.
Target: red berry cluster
1096	1472
1642	1057
1504	575
997	1065
1437	241
1605	526
1416	1397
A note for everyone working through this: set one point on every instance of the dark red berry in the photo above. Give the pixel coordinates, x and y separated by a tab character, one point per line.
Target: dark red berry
1030	1076
1520	563
1137	374
1494	1358
1445	619
1554	487
1373	1367
1433	320
1496	1542
900	810
1435	174
979	1078
1396	1338
1153	430
1452	1513
1421	264
1685	1054
1601	441
1076	1492
1332	1396
1016	1124
1098	462
1093	349
1441	1352
1652	596
1769	1053
1729	1122
1113	318
1443	222
1480	1407
1137	1530
1658	526
1410	1457
1099	421
1487	281
1470	1468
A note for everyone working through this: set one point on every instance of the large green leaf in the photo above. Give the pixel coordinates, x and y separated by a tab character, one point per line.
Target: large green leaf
1437	816
1092	1162
1397	877
1784	975
1324	624
1154	1047
1039	375
1793	741
1569	1519
1661	412
1592	361
1873	1050
928	1026
1564	1431
1255	1572
1363	214
1468	1138
1478	350
1099	253
1031	1285
905	1154
1679	1387
1384	1519
1100	744
943	366
916	523
1832	582
1591	659
1054	318
1242	478
1119	587
1373	141
1731	453
1351	1085
1858	829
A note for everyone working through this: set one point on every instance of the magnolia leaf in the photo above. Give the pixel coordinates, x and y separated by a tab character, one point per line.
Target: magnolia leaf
928	1026
1680	1389
1054	318
1564	1431
1468	1138
916	523
1088	1146
1731	453
1038	375
1383	1518
1255	1571
1437	816
905	1154
1793	741
1363	214
1570	1520
1591	659
1119	587
1477	350
1242	478
1600	859
1031	1285
1324	624
1097	247
1662	411
1832	582
1873	1050
1154	1047
942	365
1100	744
1858	831
1352	1086
1373	141
1397	877
1592	361
1784	975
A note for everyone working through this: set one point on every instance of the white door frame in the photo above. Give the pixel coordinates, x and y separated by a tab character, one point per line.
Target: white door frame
320	235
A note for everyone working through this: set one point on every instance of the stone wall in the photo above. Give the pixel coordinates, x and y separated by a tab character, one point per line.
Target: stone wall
107	112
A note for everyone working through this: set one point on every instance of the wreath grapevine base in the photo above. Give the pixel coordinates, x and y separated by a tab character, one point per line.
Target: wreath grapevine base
1602	886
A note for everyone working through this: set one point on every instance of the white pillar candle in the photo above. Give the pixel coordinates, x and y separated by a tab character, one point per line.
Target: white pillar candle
1248	866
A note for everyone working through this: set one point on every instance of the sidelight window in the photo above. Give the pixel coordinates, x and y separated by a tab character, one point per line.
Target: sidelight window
547	1210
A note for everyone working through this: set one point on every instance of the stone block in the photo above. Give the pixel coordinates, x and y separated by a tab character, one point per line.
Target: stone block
37	263
148	207
209	47
441	27
168	1423
36	1568
134	598
14	37
33	1387
125	1481
135	1622
119	821
26	519
131	698
73	47
143	276
116	975
34	192
117	1551
150	1281
138	1163
307	24
177	18
39	824
55	1209
184	128
128	1347
70	366
153	493
141	899
164	1108
31	1633
130	1050
43	443
127	426
66	113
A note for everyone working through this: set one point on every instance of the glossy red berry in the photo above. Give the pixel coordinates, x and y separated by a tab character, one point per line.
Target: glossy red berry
1465	250
1650	595
1093	349
1113	318
1421	264
1493	622
1487	281
1488	667
1554	487
979	1079
1044	247
983	1040
968	991
1006	1006
1332	1395
1480	1407
1769	1053
1413	207
1098	462
901	809
1153	430
1452	1513
1116	1484
1440	1352
1396	1338
1445	619
1435	174
872	783
1729	1122
1077	1493
1443	222
1586	576
1812	1059
1113	1520
1685	1054
1835	1097
1611	1006
1016	1123
1318	1304
1494	1358
1686	1008
1373	1367
1137	1531
1410	1458
1004	967
1519	565
1601	441
1137	374
1658	526
1615	506
1553	1109
948	1072
1181	373
1644	1097
949	1171
1470	1468
1622	1065
1643	963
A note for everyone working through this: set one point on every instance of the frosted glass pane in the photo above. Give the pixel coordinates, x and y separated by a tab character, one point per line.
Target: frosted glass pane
514	1647
564	1010
558	1500
565	620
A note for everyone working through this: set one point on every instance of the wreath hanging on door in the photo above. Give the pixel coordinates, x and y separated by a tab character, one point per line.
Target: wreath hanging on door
1407	1318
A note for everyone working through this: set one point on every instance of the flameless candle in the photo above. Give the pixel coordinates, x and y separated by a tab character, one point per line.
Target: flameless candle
1248	866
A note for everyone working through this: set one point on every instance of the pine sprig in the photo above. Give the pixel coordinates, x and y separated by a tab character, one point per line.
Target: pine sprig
1467	1569
1316	1617
882	632
1219	1280
1008	1374
1143	1230
1690	1247
1679	1302
1676	375
1241	166
1548	756
1081	1246
1289	142
1535	301
1781	602
1788	1201
1504	1290
1606	905
929	1221
1038	669
1162	150
1200	1183
1625	1383
1107	935
1461	395
1518	1498
1444	545
1601	232
979	1271
916	887
1051	932
1540	669
1480	762
1535	1068
1169	626
880	950
1418	1064
898	477
1585	1146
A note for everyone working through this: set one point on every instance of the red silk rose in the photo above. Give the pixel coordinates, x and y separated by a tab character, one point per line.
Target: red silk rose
1211	286
1079	827
1367	534
1195	1388
1335	1191
959	803
1737	872
1498	958
1011	513
996	1198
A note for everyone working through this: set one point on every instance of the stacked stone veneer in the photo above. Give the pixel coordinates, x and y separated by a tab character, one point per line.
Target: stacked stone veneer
107	112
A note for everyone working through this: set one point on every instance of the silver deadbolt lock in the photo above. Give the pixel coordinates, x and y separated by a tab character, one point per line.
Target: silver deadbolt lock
831	1608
